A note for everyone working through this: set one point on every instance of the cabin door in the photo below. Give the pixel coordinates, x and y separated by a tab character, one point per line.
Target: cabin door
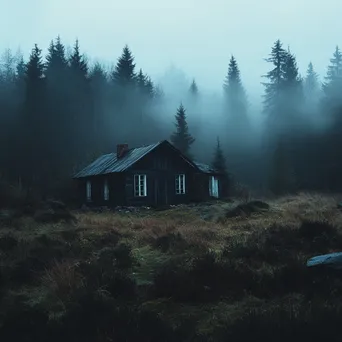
160	190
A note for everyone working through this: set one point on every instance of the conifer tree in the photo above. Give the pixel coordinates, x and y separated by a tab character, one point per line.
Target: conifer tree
333	81
181	138
99	96
193	90
273	88
292	88
124	72
311	85
78	63
34	143
235	98
219	161
282	175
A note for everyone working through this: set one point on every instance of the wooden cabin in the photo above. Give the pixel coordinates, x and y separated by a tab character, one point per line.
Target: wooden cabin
153	175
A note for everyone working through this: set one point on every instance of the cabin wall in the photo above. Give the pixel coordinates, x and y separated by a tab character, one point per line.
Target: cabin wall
161	168
116	184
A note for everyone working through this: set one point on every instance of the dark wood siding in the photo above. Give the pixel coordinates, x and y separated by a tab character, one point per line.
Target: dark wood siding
163	165
116	185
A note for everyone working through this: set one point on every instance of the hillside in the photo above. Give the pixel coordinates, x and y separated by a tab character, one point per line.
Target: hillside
209	272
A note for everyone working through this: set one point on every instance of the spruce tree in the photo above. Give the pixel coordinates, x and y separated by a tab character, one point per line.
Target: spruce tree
56	61
291	89
282	175
181	138
145	85
78	63
273	88
311	81
333	81
219	161
331	107
193	90
235	97
34	142
99	96
80	105
124	72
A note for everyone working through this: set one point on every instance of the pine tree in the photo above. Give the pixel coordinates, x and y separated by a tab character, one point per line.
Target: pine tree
311	81
99	95
333	81
124	72
219	161
56	62
235	105
34	142
78	63
292	88
235	95
331	107
193	90
273	88
145	85
282	175
181	138
81	114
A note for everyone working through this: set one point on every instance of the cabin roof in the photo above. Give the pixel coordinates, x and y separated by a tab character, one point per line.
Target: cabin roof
206	168
109	163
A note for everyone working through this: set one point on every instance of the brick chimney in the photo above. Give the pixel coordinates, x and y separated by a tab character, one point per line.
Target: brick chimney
121	150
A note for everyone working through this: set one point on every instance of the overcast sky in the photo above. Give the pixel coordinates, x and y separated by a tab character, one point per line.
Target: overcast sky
198	36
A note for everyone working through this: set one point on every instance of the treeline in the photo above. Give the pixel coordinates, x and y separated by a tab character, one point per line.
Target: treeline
58	112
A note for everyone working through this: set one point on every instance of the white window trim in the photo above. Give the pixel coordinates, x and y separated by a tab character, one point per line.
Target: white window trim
140	181
106	190
88	190
180	184
213	186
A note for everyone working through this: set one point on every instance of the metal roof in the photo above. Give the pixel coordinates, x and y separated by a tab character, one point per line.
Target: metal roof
109	163
206	168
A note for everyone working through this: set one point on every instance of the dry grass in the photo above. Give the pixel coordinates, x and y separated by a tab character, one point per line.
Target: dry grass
62	278
288	211
156	260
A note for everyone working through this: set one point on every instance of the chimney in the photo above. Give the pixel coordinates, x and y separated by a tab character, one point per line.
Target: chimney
121	150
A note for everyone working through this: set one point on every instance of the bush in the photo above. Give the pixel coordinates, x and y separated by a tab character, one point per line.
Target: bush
8	242
314	322
171	242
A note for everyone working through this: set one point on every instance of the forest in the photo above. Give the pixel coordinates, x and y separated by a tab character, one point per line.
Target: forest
234	269
59	111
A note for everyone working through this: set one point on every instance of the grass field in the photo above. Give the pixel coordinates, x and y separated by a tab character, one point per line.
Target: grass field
192	273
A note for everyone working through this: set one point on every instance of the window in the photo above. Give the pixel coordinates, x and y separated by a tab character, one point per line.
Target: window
213	186
180	184
106	190
140	186
88	190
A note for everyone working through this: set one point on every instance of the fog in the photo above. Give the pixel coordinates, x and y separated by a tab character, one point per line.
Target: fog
93	103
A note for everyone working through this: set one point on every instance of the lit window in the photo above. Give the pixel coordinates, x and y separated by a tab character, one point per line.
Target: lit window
180	184
106	190
213	187
88	187
140	186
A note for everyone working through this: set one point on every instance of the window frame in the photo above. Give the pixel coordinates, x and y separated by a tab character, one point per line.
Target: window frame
88	190
140	180
105	190
213	186
180	184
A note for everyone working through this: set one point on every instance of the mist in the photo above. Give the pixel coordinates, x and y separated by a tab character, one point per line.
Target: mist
270	93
